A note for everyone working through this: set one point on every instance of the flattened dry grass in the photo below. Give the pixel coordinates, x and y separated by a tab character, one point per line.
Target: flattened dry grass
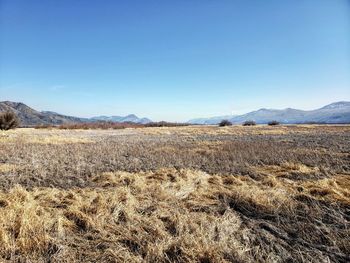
185	194
50	137
59	140
170	216
6	168
133	217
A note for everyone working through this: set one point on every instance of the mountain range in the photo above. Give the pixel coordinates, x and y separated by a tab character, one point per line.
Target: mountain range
338	112
128	118
31	117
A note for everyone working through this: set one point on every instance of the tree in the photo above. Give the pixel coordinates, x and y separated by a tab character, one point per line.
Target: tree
8	120
272	123
225	123
249	123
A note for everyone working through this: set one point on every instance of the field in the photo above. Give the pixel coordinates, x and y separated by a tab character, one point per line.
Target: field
176	194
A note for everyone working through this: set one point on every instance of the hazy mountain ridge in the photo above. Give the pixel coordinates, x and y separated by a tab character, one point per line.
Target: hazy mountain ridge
128	118
31	117
338	112
212	120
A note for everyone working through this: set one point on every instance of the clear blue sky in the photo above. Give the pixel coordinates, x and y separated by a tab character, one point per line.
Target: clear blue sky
174	60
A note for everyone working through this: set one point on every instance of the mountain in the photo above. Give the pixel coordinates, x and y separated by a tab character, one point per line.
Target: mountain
31	117
128	118
209	121
338	112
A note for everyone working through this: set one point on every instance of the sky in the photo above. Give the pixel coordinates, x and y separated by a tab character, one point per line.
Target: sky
174	60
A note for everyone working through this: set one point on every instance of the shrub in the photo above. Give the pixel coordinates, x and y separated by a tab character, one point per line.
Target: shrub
225	123
8	120
165	124
249	123
272	123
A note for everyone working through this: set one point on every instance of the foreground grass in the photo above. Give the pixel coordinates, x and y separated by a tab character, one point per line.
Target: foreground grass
228	195
178	216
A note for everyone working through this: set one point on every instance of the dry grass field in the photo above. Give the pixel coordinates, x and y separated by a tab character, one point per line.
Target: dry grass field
180	194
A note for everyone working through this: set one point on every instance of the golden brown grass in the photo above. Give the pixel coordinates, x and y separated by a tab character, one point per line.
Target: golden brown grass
187	195
5	168
29	136
165	216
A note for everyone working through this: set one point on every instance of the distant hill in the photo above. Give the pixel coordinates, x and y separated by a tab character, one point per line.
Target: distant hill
212	120
128	118
338	112
31	117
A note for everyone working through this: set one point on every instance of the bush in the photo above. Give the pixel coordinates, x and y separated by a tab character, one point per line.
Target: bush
165	124
225	123
249	123
272	123
8	120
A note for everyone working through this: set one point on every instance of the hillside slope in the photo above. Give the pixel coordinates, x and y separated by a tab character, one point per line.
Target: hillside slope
31	117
